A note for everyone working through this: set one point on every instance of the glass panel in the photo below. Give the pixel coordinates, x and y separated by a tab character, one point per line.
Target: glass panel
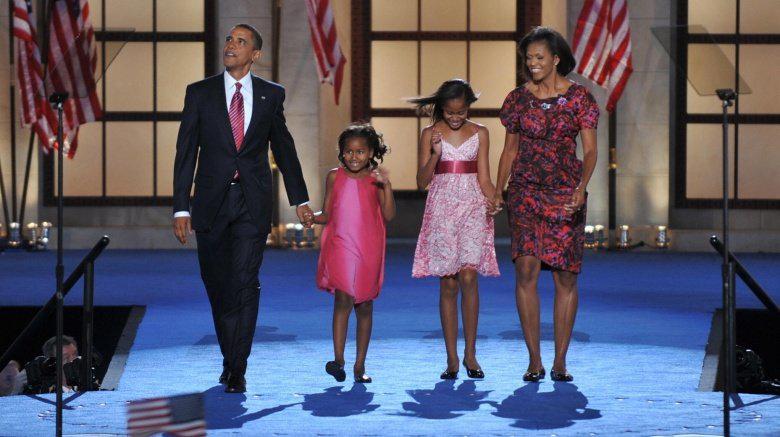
704	161
394	15
178	64
401	134
494	15
554	15
393	73
497	133
697	59
717	16
759	64
83	175
493	71
129	79
180	16
129	159
441	60
129	14
759	154
166	152
438	15
96	14
759	16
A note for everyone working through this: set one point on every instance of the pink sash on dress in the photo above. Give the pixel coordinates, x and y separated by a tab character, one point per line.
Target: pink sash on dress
456	167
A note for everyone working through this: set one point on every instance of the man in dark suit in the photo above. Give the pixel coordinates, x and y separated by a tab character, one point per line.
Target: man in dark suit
227	123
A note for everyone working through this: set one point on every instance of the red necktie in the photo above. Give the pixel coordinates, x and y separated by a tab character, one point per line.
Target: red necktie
236	115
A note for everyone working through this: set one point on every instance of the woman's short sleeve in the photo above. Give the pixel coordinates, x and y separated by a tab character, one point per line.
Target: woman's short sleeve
510	112
588	111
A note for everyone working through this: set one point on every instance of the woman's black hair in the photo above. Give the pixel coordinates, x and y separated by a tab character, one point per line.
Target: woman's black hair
557	45
452	89
373	139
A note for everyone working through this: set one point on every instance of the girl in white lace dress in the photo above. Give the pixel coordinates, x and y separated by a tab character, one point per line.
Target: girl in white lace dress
456	240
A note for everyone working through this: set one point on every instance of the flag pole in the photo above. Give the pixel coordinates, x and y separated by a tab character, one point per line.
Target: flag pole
612	178
12	118
25	185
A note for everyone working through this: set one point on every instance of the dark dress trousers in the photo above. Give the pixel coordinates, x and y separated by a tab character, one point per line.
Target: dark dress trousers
232	220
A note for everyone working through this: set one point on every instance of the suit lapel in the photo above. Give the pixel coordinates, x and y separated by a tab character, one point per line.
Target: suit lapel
222	111
258	100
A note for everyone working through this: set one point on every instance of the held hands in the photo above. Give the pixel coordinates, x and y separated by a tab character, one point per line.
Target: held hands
305	215
436	142
496	203
576	201
182	226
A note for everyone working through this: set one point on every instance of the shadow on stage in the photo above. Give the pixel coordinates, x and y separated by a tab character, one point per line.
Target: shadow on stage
445	401
227	411
334	402
533	409
546	333
263	334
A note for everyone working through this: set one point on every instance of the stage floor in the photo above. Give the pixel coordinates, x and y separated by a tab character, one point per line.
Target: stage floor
636	353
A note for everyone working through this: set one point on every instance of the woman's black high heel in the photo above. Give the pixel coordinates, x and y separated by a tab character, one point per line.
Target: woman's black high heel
448	374
473	373
534	376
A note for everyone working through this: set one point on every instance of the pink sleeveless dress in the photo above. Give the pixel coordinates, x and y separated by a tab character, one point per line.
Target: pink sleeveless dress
352	254
456	231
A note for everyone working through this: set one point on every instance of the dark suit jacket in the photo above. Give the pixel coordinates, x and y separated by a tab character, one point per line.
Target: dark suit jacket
205	131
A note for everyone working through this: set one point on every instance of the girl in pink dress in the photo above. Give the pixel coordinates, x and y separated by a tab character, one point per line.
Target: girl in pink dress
358	202
456	238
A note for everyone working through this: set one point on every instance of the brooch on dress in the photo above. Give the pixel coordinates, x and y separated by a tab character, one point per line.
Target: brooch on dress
545	105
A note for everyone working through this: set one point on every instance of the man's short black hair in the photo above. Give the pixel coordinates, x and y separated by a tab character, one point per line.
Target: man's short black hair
258	39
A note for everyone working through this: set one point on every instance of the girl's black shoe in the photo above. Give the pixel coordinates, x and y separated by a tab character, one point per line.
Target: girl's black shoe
473	373
336	370
363	379
561	376
534	376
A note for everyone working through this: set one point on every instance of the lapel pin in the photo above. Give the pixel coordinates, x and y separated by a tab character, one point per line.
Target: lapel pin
262	97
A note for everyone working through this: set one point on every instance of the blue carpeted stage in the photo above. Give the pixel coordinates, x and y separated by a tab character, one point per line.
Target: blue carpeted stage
636	354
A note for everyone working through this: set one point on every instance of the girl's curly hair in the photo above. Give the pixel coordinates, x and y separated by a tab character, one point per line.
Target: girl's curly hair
373	139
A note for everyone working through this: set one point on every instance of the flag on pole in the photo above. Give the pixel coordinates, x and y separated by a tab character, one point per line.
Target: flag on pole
181	415
29	71
71	67
602	46
327	50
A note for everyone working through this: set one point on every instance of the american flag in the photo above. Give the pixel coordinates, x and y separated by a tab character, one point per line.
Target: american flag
327	50
71	67
176	415
602	46
29	70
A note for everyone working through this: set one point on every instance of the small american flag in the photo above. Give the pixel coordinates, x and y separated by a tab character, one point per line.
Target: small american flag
176	415
602	46
327	50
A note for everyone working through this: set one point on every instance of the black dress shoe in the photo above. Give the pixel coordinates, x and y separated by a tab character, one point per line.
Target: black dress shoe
363	379
534	376
473	373
561	376
235	384
336	370
223	378
448	374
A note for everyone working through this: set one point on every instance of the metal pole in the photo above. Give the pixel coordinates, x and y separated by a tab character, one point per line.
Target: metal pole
12	118
26	176
612	179
87	327
59	271
276	26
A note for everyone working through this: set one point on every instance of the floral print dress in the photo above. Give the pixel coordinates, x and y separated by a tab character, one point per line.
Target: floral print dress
545	173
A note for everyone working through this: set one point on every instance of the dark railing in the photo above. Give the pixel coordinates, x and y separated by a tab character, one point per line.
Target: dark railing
740	270
86	268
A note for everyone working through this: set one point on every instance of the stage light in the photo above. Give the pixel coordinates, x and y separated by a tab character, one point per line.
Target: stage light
298	234
601	239
45	236
289	235
590	238
662	240
625	238
14	235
